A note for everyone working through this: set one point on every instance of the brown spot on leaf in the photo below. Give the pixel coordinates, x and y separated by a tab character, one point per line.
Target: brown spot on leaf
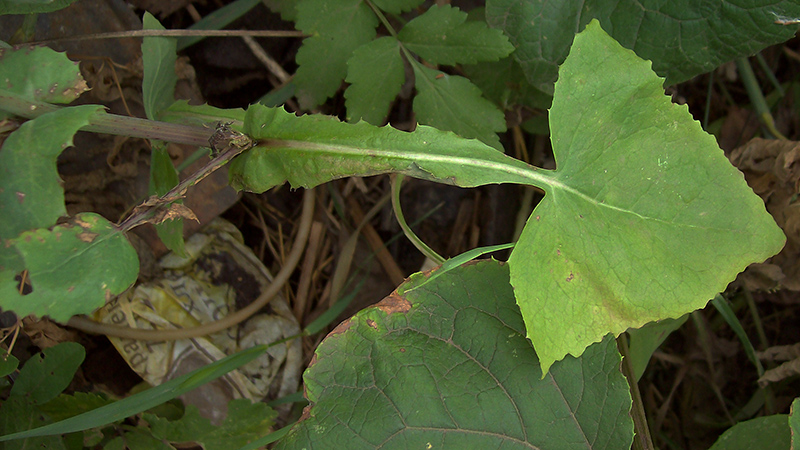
394	303
87	237
570	277
371	323
20	197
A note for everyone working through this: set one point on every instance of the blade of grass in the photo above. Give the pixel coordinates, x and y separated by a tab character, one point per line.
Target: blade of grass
144	400
218	20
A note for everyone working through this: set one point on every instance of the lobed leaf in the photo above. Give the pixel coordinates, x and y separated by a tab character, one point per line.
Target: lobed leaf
310	150
40	73
644	218
31	195
446	365
376	74
442	35
337	28
683	38
73	268
453	103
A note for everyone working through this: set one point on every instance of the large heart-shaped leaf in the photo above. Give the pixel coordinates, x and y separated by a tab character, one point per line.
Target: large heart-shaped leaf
644	218
444	364
683	38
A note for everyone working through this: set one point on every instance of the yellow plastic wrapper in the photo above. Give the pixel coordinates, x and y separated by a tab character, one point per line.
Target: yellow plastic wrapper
219	275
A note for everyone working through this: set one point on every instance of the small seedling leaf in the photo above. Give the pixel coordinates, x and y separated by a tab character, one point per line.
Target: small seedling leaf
646	219
45	375
447	366
158	61
683	38
73	268
8	364
31	195
337	28
40	73
442	35
375	73
453	103
314	149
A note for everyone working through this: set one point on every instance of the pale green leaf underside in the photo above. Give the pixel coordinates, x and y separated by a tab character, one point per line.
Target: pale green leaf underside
73	268
683	38
645	218
310	150
337	28
443	36
453	103
375	73
447	366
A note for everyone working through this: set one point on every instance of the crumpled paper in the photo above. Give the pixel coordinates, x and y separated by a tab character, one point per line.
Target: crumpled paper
219	275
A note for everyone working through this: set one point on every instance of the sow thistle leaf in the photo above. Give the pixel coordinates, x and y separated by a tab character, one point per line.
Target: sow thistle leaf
314	149
442	35
644	218
40	73
337	28
376	74
447	366
453	103
73	268
158	62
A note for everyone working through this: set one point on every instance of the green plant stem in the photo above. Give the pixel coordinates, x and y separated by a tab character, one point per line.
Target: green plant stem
397	181
757	97
112	123
383	19
642	439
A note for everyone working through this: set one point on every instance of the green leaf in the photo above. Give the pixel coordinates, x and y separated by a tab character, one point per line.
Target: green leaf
313	149
645	340
447	366
645	218
504	83
442	35
142	401
397	6
31	195
73	268
245	422
40	73
32	6
65	406
222	17
763	433
453	103
337	28
683	38
794	424
8	364
375	73
158	61
163	177
20	415
45	375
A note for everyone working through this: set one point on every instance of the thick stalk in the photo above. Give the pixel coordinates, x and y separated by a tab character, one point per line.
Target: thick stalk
112	123
642	439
